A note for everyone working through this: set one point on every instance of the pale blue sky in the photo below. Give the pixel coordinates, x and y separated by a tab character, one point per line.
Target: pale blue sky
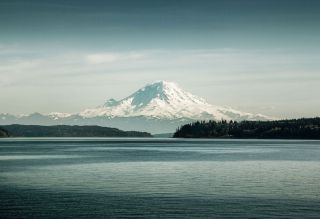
253	55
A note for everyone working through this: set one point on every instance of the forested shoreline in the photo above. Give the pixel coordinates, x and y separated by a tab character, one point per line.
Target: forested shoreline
304	128
67	131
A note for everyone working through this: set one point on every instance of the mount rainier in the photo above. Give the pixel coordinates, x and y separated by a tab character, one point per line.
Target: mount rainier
157	108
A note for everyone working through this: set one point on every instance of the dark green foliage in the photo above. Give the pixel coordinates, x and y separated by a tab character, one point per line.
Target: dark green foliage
280	129
3	133
69	131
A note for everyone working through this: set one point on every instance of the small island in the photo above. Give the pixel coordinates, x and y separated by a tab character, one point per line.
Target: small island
305	128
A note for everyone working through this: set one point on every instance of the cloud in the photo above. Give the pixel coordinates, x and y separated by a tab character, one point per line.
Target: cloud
105	58
20	67
101	58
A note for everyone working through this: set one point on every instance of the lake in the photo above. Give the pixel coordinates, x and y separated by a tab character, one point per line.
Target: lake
158	178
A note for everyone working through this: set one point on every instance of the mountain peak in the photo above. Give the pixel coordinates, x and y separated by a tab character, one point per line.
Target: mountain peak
160	88
163	85
165	100
163	92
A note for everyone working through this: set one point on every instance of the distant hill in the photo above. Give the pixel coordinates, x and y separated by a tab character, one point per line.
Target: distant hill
3	133
68	131
281	129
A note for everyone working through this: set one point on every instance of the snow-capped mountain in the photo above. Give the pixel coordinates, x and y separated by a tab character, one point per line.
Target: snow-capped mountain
166	100
158	107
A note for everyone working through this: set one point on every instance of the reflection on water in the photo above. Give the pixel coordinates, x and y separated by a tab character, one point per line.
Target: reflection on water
81	178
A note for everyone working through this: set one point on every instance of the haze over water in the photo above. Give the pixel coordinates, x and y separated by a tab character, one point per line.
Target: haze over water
85	178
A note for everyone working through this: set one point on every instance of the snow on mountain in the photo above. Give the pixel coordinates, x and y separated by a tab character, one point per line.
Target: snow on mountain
166	100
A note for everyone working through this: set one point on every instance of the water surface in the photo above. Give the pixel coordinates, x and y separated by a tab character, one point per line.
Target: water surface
159	178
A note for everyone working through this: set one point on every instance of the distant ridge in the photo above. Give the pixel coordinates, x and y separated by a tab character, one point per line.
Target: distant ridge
159	107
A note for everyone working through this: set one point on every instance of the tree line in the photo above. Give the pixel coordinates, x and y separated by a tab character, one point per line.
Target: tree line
67	131
304	128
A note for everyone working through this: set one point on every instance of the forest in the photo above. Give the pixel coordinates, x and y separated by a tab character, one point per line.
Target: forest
67	131
304	128
3	133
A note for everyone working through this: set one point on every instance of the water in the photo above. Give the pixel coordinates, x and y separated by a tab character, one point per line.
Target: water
159	178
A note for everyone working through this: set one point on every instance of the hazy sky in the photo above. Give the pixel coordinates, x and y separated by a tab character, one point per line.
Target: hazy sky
254	55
